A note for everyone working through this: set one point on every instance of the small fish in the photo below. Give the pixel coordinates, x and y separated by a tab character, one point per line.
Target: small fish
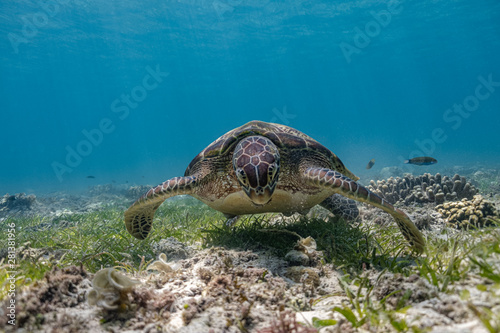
90	177
371	163
425	160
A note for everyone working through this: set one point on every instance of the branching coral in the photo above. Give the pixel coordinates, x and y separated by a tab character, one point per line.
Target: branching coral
477	212
424	188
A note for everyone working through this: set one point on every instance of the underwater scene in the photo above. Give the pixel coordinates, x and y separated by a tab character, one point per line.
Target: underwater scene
250	166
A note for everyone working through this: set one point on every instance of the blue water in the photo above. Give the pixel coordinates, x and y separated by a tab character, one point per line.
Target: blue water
368	79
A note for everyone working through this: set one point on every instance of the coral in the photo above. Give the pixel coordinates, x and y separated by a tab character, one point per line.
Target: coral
110	290
423	189
462	214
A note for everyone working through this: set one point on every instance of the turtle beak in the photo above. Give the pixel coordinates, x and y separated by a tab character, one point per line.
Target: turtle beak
260	196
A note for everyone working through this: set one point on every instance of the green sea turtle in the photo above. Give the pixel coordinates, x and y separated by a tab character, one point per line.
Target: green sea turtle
263	167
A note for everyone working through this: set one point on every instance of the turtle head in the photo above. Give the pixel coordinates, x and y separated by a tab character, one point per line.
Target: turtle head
256	162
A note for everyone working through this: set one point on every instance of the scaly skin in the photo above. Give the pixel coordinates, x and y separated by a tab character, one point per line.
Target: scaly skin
139	217
349	188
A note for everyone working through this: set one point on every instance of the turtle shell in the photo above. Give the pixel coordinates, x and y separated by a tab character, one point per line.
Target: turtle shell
282	136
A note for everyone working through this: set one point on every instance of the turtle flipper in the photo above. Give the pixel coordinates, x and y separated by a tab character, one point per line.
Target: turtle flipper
139	216
341	206
347	187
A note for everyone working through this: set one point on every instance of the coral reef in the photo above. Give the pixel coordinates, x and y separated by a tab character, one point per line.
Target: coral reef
423	189
465	213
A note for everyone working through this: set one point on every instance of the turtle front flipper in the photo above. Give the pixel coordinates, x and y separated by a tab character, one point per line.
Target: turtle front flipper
347	187
139	216
341	206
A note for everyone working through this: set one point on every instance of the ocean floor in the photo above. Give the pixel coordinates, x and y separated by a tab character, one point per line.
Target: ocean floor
77	269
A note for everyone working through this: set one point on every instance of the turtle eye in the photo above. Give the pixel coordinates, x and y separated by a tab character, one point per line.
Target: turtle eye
242	176
272	170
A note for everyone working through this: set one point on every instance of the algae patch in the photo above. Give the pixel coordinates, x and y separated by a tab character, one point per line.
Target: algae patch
110	290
